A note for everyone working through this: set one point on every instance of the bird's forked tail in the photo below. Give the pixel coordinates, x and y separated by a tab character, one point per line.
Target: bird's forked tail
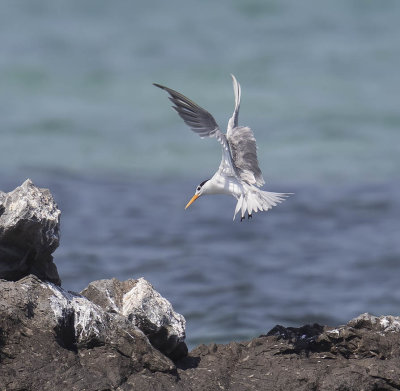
257	200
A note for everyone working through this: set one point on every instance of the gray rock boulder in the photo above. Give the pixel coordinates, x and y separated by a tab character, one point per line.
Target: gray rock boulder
142	305
29	233
117	335
51	339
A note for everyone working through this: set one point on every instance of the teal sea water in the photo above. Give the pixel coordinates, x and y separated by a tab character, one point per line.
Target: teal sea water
320	88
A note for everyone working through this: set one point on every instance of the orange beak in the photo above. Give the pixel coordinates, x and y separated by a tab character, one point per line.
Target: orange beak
194	198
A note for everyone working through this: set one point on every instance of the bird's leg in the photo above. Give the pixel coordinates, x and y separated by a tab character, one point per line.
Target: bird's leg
250	216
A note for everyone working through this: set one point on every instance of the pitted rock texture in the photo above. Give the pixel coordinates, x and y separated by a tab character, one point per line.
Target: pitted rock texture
29	233
363	355
139	302
51	339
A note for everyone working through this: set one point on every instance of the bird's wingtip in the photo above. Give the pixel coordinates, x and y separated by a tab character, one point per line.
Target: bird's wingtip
159	86
235	81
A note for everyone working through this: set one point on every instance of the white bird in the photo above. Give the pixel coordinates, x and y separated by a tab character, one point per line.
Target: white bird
238	174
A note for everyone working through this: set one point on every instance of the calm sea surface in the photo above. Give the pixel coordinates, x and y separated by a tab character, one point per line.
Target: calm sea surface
320	88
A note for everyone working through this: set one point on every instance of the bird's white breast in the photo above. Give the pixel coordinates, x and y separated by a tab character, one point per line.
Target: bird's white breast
220	184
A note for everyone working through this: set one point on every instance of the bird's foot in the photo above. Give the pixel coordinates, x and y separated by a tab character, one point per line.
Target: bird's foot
242	218
250	216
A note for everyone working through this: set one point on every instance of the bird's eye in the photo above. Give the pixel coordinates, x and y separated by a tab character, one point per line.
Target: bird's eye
198	188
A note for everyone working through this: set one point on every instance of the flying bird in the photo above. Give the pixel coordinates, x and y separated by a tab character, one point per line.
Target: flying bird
238	174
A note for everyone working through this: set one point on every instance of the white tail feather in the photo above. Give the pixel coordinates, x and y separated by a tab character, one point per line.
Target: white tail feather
256	199
238	206
244	205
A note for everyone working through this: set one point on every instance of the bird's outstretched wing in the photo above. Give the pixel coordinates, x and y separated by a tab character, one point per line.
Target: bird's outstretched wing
244	155
233	121
242	144
202	123
198	119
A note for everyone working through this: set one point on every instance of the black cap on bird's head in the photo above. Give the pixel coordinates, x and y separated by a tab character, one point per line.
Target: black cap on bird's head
197	194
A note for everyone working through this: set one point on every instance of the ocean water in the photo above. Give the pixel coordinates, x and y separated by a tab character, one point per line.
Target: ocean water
320	88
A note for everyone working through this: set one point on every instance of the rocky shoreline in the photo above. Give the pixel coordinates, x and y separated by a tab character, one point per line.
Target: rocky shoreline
125	336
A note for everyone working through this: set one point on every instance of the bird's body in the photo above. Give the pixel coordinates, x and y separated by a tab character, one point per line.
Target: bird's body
238	174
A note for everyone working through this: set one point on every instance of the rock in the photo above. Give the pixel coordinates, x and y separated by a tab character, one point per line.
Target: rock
29	233
362	355
146	309
51	339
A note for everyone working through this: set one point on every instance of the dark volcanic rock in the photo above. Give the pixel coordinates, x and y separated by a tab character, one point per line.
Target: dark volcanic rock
145	308
363	355
29	233
51	339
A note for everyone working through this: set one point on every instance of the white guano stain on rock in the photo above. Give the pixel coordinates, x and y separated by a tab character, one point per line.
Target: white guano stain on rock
385	324
333	333
143	300
113	304
390	323
88	317
30	203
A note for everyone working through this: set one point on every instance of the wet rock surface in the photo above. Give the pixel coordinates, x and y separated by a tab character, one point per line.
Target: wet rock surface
29	233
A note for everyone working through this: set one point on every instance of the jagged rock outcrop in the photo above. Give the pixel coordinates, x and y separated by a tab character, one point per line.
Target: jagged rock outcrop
51	339
29	233
145	308
124	336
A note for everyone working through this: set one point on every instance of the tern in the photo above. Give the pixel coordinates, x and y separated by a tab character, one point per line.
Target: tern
239	174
